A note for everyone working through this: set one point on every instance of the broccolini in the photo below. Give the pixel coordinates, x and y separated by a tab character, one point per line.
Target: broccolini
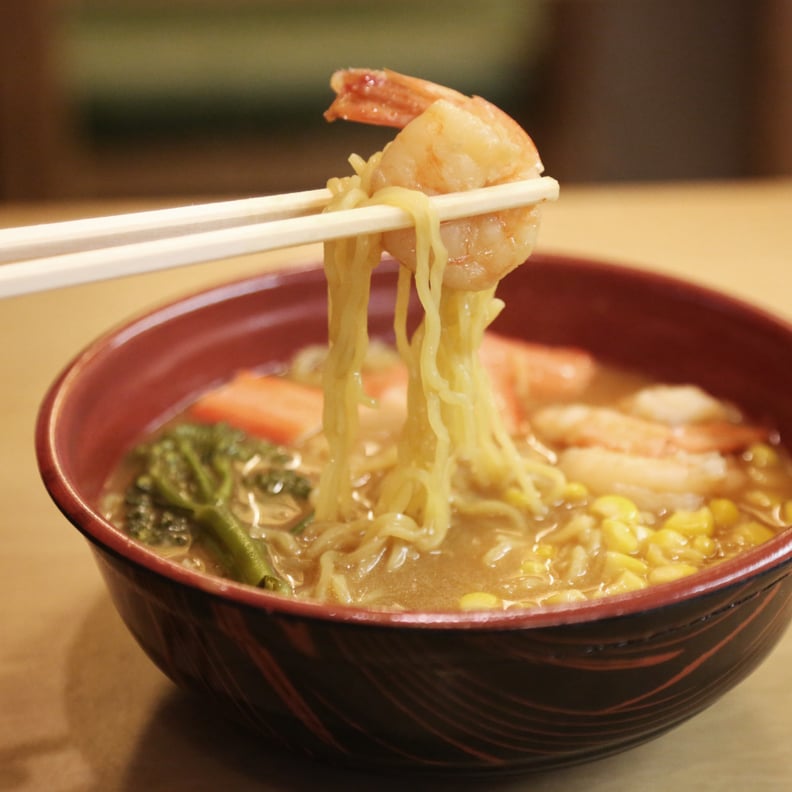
186	482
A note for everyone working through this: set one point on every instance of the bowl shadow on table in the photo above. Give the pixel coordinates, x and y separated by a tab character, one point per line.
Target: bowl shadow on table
114	693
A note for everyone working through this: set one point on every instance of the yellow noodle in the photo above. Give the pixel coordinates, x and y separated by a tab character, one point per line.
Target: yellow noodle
348	266
451	423
491	508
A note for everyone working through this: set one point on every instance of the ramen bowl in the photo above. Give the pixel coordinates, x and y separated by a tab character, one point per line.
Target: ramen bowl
473	692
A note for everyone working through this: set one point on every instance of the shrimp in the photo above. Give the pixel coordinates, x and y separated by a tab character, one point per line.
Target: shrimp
678	404
584	425
670	451
681	481
448	142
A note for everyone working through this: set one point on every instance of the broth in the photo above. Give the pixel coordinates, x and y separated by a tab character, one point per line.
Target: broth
630	512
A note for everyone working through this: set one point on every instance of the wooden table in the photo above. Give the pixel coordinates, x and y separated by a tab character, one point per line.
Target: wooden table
81	708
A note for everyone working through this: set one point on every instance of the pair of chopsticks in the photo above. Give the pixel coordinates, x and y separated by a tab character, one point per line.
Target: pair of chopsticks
54	255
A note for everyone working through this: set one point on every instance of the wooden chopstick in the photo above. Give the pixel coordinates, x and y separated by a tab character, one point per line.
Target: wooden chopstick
73	252
92	233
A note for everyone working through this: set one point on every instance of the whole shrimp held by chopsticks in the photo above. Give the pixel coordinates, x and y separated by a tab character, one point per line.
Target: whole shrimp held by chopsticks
448	142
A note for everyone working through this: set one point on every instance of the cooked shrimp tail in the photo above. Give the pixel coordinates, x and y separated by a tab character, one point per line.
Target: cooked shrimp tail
383	97
584	425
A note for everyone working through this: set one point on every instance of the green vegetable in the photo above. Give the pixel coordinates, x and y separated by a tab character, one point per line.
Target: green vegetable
187	480
283	482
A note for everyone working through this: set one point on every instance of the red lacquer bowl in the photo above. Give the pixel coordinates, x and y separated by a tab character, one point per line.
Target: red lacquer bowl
479	692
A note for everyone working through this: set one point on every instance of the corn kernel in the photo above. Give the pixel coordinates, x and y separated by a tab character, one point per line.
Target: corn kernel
578	562
627	581
517	498
704	544
616	562
575	491
543	550
762	455
759	476
565	596
669	572
616	506
479	600
533	567
724	511
752	533
761	499
648	519
668	539
691	523
576	530
690	555
655	555
619	536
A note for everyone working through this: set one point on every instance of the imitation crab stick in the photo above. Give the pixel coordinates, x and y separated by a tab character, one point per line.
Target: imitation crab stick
536	370
268	406
282	410
385	383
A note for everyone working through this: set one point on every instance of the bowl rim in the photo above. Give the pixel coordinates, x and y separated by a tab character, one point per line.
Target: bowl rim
772	555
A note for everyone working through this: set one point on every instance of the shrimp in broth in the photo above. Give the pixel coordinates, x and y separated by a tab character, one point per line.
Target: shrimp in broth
664	445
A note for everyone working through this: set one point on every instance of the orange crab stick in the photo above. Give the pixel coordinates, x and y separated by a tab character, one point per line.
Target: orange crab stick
536	370
272	407
282	410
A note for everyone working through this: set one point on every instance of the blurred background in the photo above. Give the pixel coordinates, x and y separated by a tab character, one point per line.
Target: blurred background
147	98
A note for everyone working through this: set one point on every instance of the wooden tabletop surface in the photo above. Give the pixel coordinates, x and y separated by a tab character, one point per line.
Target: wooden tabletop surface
81	707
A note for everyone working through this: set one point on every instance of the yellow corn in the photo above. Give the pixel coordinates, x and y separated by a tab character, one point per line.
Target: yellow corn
786	512
762	455
761	499
724	511
752	533
619	536
704	544
618	562
627	581
578	562
574	491
759	476
616	506
669	572
689	555
691	523
533	567
565	596
668	539
655	555
544	550
517	498
479	600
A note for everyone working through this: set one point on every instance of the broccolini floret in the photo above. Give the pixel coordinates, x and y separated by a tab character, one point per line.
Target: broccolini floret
187	481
